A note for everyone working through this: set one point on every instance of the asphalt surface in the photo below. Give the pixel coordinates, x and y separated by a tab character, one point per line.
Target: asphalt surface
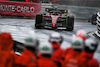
19	28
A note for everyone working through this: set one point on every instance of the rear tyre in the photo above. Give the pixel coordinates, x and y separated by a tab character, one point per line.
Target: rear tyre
70	23
38	22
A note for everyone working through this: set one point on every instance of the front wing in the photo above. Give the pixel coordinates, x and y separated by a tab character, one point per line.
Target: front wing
48	22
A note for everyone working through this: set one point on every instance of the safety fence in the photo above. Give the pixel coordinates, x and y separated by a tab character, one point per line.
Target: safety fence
89	3
36	1
80	12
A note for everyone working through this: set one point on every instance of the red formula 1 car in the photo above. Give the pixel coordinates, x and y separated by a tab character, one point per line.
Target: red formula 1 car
55	19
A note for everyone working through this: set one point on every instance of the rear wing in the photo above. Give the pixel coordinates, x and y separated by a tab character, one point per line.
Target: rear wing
51	10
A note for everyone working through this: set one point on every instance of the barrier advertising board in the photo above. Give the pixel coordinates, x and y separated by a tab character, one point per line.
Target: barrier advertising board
15	8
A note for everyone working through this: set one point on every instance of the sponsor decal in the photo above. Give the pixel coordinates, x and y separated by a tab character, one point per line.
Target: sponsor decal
14	8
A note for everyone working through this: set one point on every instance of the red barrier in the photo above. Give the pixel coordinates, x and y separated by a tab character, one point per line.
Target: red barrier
5	0
19	8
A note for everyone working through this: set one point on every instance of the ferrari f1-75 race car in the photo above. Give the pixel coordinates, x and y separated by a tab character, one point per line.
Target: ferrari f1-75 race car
54	19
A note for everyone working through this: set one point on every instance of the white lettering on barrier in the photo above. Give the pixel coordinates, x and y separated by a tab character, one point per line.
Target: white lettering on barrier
32	9
3	7
18	8
13	8
0	7
10	7
26	8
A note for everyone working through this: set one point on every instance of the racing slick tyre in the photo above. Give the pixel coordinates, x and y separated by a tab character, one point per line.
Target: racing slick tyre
70	23
38	21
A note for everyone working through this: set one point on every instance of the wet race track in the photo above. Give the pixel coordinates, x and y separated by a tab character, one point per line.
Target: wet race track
19	28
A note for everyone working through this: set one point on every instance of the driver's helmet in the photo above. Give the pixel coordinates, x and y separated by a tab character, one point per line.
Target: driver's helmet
55	7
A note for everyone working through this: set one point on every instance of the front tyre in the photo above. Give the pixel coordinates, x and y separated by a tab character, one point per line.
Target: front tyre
38	21
70	23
